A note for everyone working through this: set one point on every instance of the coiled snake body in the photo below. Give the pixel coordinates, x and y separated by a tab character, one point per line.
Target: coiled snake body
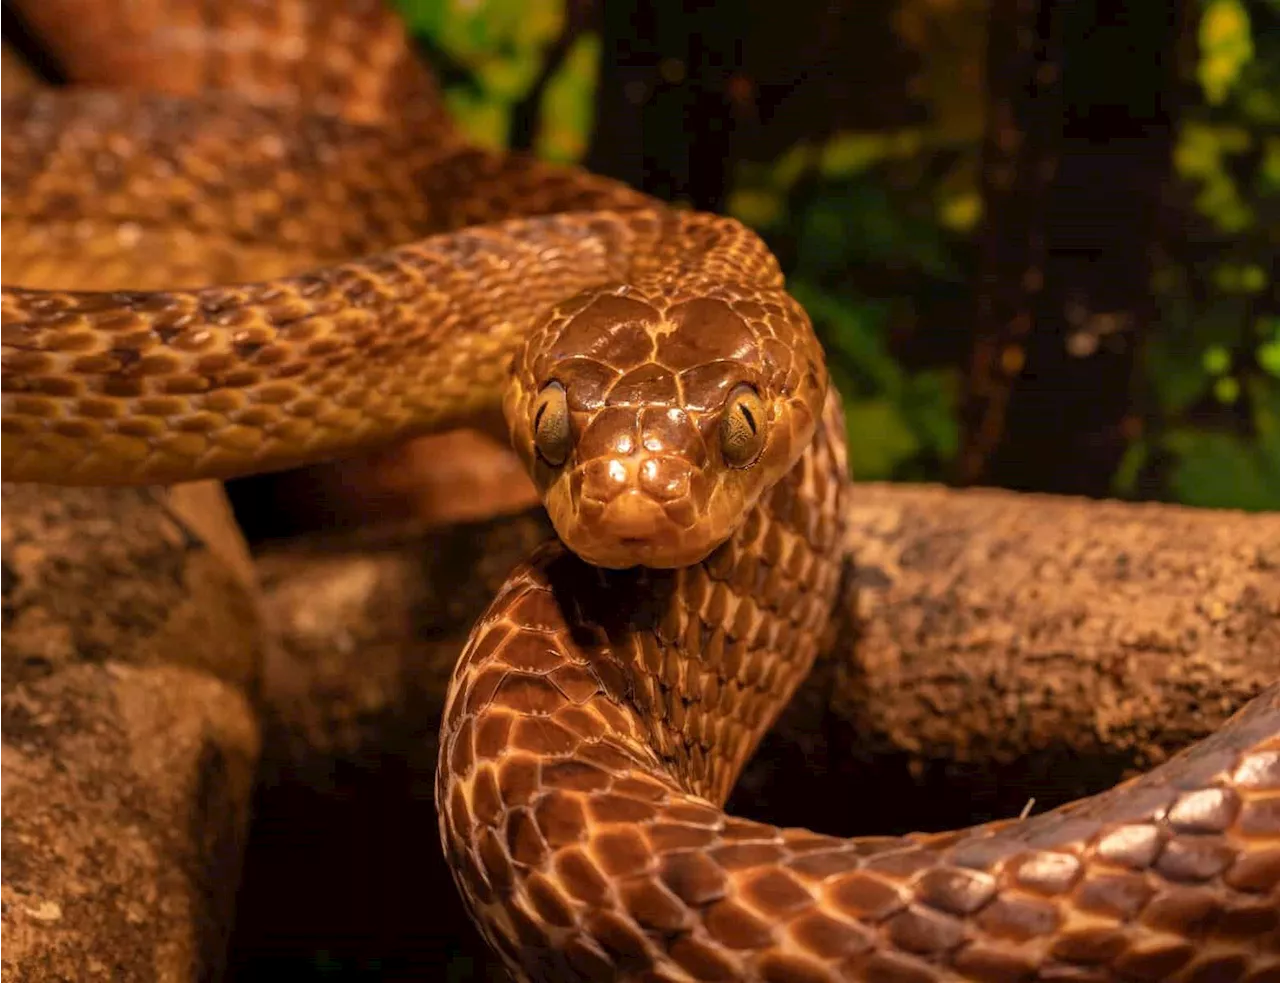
671	402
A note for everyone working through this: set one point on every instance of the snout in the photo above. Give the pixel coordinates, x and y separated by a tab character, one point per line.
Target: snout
636	511
632	516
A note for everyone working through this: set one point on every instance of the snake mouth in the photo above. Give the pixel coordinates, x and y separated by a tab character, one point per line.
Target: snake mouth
632	517
666	547
630	530
626	555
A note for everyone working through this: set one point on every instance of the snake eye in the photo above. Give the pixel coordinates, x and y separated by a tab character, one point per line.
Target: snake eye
742	427
551	433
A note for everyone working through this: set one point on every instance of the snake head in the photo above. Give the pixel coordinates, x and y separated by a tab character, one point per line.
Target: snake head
651	423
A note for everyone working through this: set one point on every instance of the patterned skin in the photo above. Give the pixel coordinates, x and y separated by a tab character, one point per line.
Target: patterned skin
671	403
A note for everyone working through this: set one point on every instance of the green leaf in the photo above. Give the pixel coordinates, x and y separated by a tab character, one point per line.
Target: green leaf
848	154
1226	47
1240	278
423	16
859	221
568	104
1264	396
1199	157
898	415
1216	360
930	405
1260	103
760	208
1176	379
501	42
789	168
507	79
853	330
1222	470
879	438
1268	356
483	120
960	213
1125	480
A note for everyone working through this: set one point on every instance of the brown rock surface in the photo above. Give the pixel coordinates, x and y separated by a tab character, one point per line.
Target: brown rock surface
129	745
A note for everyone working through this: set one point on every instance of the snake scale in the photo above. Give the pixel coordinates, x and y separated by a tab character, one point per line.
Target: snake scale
316	263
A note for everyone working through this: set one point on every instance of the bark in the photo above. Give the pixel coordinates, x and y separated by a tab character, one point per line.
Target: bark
1005	623
1011	646
1078	146
131	638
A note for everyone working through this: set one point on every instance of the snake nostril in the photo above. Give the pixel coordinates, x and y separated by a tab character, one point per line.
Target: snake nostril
604	479
616	474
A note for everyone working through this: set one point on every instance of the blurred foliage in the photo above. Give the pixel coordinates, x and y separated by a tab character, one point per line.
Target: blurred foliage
848	205
494	51
877	230
1212	368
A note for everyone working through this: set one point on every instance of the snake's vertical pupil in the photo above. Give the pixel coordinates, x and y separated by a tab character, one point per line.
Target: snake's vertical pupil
741	438
551	433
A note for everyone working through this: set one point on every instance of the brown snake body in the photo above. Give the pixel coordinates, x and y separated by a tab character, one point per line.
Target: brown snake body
672	405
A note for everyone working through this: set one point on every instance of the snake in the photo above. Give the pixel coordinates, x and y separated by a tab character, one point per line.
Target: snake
247	237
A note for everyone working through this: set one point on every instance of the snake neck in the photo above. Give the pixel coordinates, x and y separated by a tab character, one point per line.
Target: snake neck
709	655
703	658
587	696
